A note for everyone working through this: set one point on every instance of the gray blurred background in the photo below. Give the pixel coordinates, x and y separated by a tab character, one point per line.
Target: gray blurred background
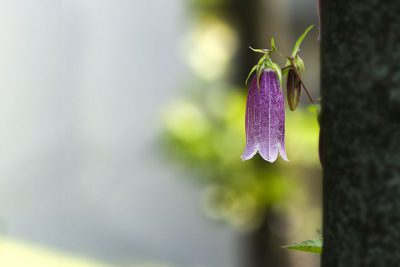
83	88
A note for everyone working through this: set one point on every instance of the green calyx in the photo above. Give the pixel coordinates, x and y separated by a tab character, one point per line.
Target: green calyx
297	63
293	62
265	63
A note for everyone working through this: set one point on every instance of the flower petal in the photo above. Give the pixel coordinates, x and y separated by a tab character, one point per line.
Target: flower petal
280	115
268	150
265	119
252	139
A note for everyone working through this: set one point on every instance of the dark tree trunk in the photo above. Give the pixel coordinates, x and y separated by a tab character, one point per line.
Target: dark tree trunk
360	52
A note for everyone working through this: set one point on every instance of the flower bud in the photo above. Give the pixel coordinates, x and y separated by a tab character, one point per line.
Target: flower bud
293	89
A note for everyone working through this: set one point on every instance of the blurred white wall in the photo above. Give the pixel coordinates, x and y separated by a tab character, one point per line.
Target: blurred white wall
82	83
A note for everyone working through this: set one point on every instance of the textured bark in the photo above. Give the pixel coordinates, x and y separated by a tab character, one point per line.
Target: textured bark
360	124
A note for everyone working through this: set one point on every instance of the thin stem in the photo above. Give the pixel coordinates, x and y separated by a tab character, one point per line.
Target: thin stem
305	89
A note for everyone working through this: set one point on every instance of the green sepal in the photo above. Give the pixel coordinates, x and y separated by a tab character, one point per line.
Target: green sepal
299	64
275	67
257	50
255	67
251	72
286	69
313	246
262	59
260	69
296	47
268	64
265	63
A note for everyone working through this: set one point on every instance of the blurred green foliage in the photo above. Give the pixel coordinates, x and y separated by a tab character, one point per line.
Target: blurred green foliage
205	134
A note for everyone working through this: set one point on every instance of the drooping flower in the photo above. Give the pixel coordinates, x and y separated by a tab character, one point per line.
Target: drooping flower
265	117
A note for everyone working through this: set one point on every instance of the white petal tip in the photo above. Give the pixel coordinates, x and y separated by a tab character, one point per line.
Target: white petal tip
270	160
246	155
244	158
283	155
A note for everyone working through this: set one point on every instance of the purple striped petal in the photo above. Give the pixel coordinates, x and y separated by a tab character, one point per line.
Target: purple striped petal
265	119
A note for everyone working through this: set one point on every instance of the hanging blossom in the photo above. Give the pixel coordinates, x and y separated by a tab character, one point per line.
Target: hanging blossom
265	111
265	118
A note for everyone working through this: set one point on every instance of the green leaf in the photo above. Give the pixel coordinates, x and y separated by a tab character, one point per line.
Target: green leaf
273	47
313	246
315	108
298	42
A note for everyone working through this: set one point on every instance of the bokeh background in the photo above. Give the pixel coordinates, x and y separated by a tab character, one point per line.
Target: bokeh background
121	129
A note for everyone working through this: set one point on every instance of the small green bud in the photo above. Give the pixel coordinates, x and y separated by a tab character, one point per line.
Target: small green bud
293	89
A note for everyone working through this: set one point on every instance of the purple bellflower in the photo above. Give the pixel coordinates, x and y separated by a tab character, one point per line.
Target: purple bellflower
265	116
265	109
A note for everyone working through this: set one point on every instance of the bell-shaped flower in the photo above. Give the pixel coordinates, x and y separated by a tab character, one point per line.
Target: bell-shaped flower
265	117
